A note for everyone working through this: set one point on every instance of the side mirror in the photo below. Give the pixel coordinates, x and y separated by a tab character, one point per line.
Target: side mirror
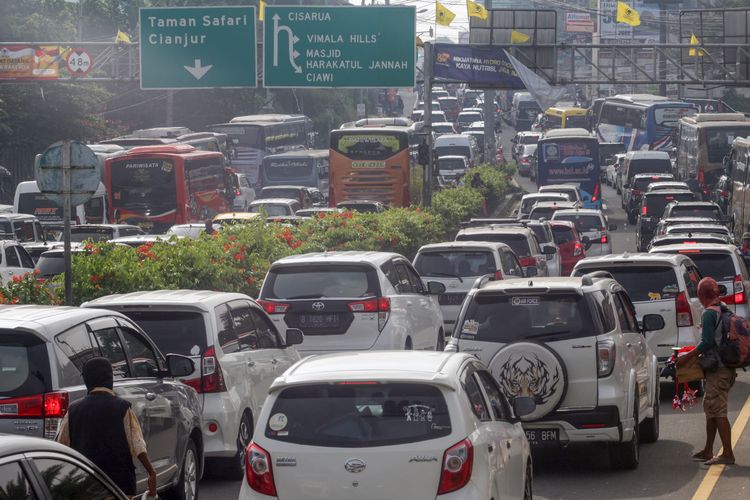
523	406
179	365
586	242
653	322
294	336
722	290
613	227
435	288
549	250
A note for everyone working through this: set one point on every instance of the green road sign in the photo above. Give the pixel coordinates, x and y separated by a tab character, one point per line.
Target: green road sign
339	47
197	47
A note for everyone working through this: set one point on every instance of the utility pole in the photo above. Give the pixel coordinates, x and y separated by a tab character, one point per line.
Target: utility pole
427	119
489	127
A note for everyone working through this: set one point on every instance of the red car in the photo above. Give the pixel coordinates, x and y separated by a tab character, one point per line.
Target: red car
569	243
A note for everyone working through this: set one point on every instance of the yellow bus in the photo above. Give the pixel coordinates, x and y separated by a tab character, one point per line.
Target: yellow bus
565	117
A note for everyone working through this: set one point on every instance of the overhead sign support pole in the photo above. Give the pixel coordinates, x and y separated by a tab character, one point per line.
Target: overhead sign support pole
427	98
68	265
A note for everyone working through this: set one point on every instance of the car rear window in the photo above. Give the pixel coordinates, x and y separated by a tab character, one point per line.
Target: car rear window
509	318
719	266
542	212
540	233
280	193
517	242
649	167
642	183
571	193
354	415
51	265
91	234
528	139
24	366
563	234
321	281
584	223
463	263
173	332
643	283
656	202
528	203
695	211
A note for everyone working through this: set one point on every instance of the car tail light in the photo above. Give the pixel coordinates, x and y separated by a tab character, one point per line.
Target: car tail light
211	379
380	305
237	192
527	261
258	470
55	408
605	355
725	194
595	196
273	307
738	293
498	275
684	314
644	210
51	406
458	461
525	160
577	249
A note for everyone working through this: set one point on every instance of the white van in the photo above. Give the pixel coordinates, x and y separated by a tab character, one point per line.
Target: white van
29	200
457	145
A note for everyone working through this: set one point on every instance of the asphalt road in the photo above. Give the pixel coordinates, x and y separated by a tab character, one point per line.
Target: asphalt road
665	471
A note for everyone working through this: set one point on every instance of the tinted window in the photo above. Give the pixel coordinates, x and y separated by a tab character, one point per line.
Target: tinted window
643	283
542	212
453	151
630	323
580	121
497	401
584	223
272	209
321	281
404	284
267	334
540	232
719	266
642	183
244	329
604	306
77	345
142	356
476	399
11	257
354	415
24	231
67	481
528	203
24	365
178	332
463	263
111	348
563	234
26	260
13	483
79	234
695	211
649	167
504	318
517	242
656	202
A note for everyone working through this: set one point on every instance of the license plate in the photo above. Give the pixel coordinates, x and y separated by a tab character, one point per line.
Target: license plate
543	437
451	299
319	320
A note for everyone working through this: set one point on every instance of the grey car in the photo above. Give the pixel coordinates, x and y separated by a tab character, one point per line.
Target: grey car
42	351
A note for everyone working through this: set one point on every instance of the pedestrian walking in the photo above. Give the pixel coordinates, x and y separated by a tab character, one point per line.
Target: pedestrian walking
104	429
718	381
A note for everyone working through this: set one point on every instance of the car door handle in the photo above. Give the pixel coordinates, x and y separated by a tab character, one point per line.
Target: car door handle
150	396
251	363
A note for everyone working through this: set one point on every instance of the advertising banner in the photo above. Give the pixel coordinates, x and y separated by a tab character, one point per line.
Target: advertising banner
29	62
579	22
483	67
568	161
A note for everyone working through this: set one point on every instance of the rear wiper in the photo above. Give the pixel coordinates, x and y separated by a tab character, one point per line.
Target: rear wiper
449	275
547	334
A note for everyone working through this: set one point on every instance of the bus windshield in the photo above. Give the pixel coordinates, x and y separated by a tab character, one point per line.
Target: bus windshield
368	146
144	185
39	206
242	134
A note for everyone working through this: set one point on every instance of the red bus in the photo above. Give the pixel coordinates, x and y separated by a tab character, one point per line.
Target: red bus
158	186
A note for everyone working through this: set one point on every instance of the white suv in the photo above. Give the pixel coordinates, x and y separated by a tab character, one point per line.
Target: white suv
591	224
354	301
521	240
385	425
458	264
575	346
237	352
657	284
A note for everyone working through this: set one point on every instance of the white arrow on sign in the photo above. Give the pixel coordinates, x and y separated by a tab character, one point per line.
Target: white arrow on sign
197	70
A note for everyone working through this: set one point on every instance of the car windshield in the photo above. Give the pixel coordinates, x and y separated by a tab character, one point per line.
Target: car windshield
272	209
504	318
719	266
584	223
463	263
709	212
78	234
656	203
643	283
451	164
443	128
355	415
178	332
317	281
517	242
453	151
25	367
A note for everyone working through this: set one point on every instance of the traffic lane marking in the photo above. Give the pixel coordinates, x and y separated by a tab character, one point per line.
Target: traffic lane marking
714	472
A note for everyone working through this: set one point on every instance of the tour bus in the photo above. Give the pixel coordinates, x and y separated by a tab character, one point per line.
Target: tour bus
159	186
737	163
641	121
565	117
702	142
255	136
369	164
306	167
571	156
29	200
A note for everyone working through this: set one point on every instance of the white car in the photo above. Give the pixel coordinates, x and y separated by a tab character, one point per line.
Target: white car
575	346
521	240
529	200
15	261
381	425
570	189
354	301
725	264
657	284
237	350
243	193
591	224
275	207
458	264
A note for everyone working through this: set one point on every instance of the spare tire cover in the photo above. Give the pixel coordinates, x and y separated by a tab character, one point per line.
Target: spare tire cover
532	370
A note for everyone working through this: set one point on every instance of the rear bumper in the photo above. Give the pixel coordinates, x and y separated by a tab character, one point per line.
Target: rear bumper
599	424
224	411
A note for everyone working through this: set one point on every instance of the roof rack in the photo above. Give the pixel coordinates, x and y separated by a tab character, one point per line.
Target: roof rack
482	280
588	278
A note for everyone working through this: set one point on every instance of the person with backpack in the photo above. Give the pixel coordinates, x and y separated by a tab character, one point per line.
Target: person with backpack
719	381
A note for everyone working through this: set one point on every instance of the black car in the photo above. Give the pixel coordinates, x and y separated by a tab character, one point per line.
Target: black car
652	208
639	185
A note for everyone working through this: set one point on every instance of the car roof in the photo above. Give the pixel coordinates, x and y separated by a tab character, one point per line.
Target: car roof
690	220
284	186
579	211
659	175
647	155
691	235
353	256
489	245
202	299
113	226
18	216
46	321
552	187
634	258
496	229
707	247
268	201
539	195
667	192
452	157
541	284
696	203
697	226
439	368
564	203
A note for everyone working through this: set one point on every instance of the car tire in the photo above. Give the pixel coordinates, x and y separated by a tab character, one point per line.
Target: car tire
187	487
627	455
528	484
650	426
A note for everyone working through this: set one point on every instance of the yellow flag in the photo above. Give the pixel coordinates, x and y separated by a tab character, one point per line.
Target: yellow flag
122	37
518	37
694	41
443	16
476	10
627	15
262	11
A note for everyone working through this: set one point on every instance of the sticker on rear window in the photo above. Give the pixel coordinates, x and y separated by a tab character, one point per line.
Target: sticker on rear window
277	422
471	327
524	301
654	296
418	413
